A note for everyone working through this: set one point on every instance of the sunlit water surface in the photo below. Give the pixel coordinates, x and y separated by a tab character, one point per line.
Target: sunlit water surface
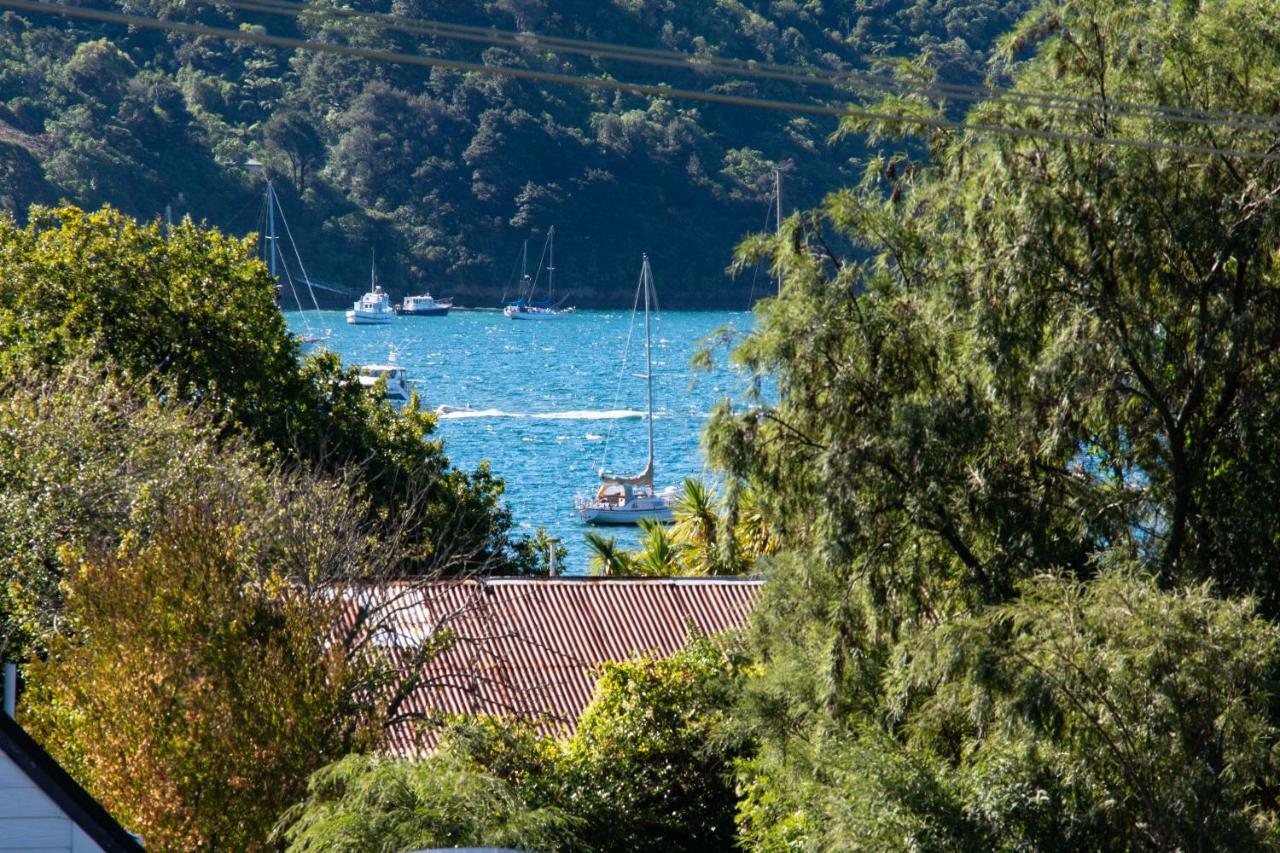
552	403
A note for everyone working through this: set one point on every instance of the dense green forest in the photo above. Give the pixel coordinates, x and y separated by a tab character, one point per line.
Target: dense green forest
443	174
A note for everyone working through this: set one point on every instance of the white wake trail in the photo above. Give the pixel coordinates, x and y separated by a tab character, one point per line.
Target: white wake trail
458	413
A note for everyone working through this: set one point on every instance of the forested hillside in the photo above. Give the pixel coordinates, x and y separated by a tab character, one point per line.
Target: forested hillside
442	173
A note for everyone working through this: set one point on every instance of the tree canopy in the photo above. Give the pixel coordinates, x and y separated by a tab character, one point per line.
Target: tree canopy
1049	364
191	314
444	172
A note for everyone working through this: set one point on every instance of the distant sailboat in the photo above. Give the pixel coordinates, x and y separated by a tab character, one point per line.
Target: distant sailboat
524	307
630	500
312	337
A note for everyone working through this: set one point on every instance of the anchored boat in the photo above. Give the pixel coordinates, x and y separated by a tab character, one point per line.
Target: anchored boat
374	308
397	391
425	306
524	307
630	500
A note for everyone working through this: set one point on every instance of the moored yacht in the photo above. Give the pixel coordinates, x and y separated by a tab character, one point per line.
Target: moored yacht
312	338
630	500
372	308
425	306
525	307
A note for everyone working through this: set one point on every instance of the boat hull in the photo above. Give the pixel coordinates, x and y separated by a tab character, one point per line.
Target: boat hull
424	312
360	318
625	516
533	315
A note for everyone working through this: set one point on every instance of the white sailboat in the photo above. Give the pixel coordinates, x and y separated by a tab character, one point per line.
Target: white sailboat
525	308
374	308
630	500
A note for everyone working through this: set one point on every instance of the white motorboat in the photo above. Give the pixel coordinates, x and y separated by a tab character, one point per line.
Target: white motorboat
372	308
397	390
425	306
524	307
630	500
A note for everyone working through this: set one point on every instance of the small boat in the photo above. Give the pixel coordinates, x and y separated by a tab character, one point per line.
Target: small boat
425	306
630	500
524	307
397	390
374	308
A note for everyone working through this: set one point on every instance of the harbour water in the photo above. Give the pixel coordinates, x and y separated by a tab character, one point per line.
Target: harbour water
551	401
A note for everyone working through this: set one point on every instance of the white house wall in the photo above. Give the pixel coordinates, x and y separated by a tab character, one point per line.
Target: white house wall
30	821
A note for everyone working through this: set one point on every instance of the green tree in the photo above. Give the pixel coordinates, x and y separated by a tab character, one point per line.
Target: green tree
1045	356
697	523
650	767
1101	715
293	134
607	558
88	460
647	768
193	314
370	803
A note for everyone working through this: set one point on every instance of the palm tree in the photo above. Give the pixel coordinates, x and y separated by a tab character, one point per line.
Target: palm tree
697	518
606	557
659	555
754	534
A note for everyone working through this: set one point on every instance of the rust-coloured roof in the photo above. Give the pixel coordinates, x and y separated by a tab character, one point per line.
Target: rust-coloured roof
531	647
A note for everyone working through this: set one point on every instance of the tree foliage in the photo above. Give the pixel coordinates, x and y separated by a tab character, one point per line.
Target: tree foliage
447	172
191	689
1046	357
371	803
192	314
649	768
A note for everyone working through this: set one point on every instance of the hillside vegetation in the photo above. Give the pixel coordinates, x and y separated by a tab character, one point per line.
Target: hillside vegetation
441	173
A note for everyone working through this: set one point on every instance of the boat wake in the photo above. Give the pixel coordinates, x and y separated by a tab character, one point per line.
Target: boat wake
457	413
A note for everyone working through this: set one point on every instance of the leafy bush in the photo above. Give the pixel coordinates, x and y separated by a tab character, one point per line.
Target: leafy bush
649	768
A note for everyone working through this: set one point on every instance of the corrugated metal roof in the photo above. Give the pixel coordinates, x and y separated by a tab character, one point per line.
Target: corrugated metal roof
532	647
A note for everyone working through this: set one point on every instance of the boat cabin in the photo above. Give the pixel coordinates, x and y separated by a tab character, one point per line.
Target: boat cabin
397	387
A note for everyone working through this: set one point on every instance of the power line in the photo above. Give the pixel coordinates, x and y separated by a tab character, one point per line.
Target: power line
650	90
789	73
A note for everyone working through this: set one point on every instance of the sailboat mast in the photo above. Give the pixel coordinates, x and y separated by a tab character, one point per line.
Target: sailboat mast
271	227
648	360
524	269
777	198
551	261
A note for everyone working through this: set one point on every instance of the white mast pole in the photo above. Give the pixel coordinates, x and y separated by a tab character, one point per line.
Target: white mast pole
271	227
524	269
777	197
551	262
648	361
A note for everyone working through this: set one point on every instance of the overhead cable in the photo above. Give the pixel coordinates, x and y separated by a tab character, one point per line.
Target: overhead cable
651	90
803	75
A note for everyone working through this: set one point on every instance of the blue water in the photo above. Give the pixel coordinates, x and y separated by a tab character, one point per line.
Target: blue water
552	402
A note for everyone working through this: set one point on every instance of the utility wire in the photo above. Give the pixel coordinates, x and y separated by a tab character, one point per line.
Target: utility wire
839	79
662	91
